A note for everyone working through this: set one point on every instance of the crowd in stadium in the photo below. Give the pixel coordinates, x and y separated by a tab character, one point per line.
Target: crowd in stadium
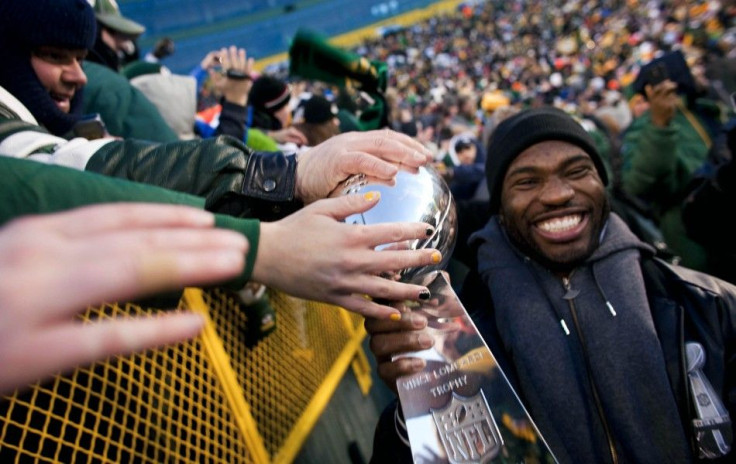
646	90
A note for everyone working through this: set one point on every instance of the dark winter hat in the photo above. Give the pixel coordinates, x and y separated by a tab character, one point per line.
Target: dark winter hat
316	110
69	24
73	26
268	94
527	128
463	142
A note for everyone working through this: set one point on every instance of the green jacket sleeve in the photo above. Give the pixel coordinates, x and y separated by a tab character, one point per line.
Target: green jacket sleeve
232	178
30	187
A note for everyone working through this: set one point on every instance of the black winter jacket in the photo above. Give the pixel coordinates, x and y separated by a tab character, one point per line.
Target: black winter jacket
233	179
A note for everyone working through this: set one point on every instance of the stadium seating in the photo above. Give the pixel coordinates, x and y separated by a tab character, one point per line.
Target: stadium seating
264	28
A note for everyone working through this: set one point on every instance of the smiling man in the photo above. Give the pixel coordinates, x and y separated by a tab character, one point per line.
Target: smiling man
60	72
594	331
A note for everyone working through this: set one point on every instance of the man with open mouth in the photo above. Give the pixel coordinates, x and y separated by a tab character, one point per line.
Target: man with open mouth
603	341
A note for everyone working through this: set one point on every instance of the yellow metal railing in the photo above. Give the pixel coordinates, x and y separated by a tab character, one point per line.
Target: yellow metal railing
213	399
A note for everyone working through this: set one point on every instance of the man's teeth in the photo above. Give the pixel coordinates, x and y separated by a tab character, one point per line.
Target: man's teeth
560	224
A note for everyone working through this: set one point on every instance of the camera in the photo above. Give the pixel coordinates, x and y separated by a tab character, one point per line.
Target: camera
656	74
237	75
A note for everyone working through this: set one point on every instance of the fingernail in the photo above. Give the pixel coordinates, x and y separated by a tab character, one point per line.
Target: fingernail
371	196
436	257
429	231
425	341
418	321
395	316
418	363
424	295
418	156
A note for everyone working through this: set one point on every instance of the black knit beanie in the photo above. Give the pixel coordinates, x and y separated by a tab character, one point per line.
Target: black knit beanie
25	25
527	128
318	110
268	94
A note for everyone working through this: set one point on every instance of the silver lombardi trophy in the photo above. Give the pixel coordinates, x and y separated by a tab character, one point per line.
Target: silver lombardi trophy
461	407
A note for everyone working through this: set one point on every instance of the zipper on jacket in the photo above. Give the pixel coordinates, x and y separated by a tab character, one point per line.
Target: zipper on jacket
570	297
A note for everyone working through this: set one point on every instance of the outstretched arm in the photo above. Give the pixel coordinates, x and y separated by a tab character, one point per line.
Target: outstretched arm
54	266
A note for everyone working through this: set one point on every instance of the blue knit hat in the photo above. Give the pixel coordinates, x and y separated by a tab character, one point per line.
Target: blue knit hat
26	25
527	128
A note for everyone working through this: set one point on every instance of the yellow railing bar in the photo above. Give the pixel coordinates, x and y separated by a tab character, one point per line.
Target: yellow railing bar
228	379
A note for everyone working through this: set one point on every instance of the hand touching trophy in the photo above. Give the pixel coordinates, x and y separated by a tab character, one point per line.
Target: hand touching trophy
460	408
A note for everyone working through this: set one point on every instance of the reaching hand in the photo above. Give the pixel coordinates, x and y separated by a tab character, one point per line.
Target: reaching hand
663	101
54	266
311	254
375	154
389	338
210	60
238	70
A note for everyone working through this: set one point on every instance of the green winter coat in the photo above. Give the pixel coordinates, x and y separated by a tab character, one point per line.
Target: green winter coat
30	187
127	113
658	165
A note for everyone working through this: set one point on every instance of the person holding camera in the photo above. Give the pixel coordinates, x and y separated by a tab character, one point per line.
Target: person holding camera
665	146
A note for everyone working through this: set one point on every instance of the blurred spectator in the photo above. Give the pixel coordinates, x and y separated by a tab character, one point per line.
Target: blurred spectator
164	47
708	209
463	166
426	134
493	105
316	117
173	95
466	118
116	35
176	96
405	121
125	109
222	99
664	147
268	110
638	105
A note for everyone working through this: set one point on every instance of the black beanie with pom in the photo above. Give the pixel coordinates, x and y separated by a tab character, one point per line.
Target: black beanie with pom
26	25
527	128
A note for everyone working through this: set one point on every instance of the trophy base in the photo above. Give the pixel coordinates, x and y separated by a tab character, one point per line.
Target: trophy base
461	408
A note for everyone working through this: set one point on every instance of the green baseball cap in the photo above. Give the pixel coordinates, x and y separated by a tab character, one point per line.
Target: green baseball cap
108	14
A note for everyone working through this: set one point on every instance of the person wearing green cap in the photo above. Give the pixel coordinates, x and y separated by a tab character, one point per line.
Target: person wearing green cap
116	34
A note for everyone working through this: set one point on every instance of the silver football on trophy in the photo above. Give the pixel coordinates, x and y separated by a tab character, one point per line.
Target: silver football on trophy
421	196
